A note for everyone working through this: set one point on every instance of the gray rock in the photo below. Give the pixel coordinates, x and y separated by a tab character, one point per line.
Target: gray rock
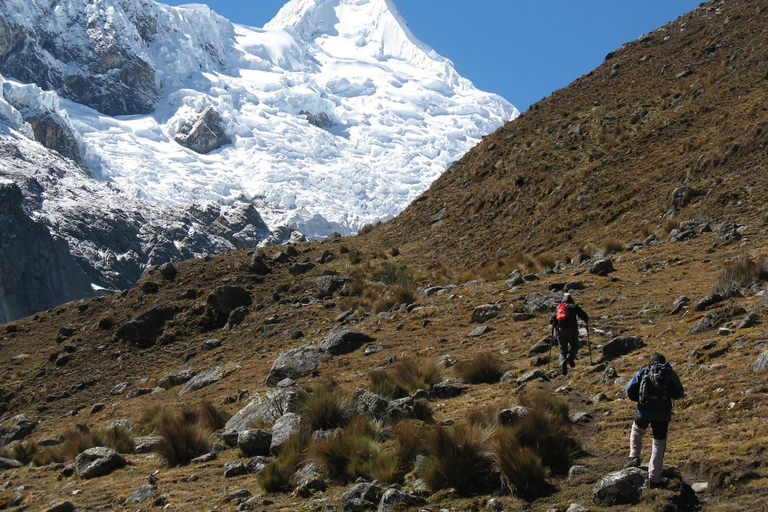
535	374
206	457
372	405
237	316
142	494
484	313
394	499
254	442
328	285
704	324
601	267
205	378
225	299
9	463
620	487
61	506
344	342
98	461
363	496
622	345
301	268
600	397
120	388
176	378
309	481
204	133
283	428
143	330
234	468
146	444
494	504
543	302
761	363
20	426
265	409
211	344
680	304
257	464
749	321
478	331
513	415
575	507
448	388
515	279
577	470
372	349
259	263
296	363
708	301
122	423
609	374
543	346
137	392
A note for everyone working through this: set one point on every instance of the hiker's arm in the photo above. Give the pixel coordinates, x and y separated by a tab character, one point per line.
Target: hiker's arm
633	388
582	314
677	386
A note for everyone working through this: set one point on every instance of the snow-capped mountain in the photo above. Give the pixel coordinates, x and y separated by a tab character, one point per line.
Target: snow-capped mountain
332	116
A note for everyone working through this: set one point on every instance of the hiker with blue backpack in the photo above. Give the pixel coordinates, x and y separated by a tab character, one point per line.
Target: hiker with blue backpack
653	388
565	322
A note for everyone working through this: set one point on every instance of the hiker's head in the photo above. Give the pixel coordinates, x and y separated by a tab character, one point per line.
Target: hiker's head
567	298
657	358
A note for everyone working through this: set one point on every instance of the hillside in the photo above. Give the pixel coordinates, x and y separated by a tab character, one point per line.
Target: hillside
407	291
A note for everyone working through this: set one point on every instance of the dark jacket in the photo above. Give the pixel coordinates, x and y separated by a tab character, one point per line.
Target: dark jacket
674	387
570	322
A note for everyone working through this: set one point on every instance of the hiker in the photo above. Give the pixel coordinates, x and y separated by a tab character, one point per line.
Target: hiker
565	321
653	388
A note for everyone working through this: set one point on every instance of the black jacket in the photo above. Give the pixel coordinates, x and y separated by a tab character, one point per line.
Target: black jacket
570	322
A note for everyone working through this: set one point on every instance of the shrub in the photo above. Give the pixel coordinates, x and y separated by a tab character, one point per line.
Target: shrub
483	417
22	451
48	455
612	245
646	230
459	458
350	454
422	411
326	408
483	368
521	468
393	274
279	475
182	441
204	414
550	440
404	377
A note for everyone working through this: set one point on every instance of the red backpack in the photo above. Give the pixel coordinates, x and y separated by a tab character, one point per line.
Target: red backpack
562	312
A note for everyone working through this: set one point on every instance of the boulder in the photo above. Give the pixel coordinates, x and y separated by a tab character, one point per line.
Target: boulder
265	408
296	363
620	487
478	331
206	378
98	461
761	363
328	285
394	499
363	496
234	468
601	267
448	388
535	374
6	463
707	301
260	263
18	427
373	406
283	428
257	464
513	415
143	330
543	302
61	506
203	134
142	494
344	342
224	299
622	345
543	346
301	268
484	313
254	442
237	316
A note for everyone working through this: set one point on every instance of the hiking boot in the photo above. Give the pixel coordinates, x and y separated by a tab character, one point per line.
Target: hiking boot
632	462
564	370
661	484
572	363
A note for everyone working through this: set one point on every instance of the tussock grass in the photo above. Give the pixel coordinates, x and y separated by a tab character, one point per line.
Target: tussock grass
483	417
395	297
459	458
350	454
738	273
485	368
500	269
394	274
204	414
404	377
279	475
613	245
326	407
22	451
181	441
521	468
540	431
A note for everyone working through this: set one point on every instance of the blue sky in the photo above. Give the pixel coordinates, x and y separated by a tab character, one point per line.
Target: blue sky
522	50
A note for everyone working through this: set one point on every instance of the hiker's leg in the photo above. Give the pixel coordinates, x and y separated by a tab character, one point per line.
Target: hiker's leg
562	341
660	430
639	427
574	348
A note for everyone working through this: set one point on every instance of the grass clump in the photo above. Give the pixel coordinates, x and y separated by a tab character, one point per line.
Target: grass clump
348	455
458	458
483	368
738	273
613	245
393	274
404	377
279	475
326	407
500	269
522	470
22	451
395	297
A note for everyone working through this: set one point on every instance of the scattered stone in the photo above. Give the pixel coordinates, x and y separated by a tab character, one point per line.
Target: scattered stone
19	427
680	304
622	345
448	388
206	378
97	407
577	470
708	301
344	342
286	425
513	415
259	263
301	268
544	302
479	331
206	457
236	317
257	464
363	496
265	409
535	374
580	417
328	285
225	299
372	406
98	461
700	487
703	325
176	378
515	279
134	393
620	487
146	444
143	493
600	397
394	499
67	330
543	346
61	506
749	321
254	442
211	344
761	363
6	463
609	374
143	330
484	313
234	468
296	363
601	267
372	349
495	505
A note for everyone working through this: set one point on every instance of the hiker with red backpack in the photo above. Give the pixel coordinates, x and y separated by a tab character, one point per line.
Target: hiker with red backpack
653	388
565	321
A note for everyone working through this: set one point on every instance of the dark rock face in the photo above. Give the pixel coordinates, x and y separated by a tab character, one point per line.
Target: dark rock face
38	270
225	299
296	363
622	345
344	342
93	69
144	329
51	131
204	134
19	428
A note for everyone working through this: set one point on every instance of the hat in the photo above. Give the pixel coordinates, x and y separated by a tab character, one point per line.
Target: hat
566	297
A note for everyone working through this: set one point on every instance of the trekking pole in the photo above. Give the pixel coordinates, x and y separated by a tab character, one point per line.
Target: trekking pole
552	336
589	345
